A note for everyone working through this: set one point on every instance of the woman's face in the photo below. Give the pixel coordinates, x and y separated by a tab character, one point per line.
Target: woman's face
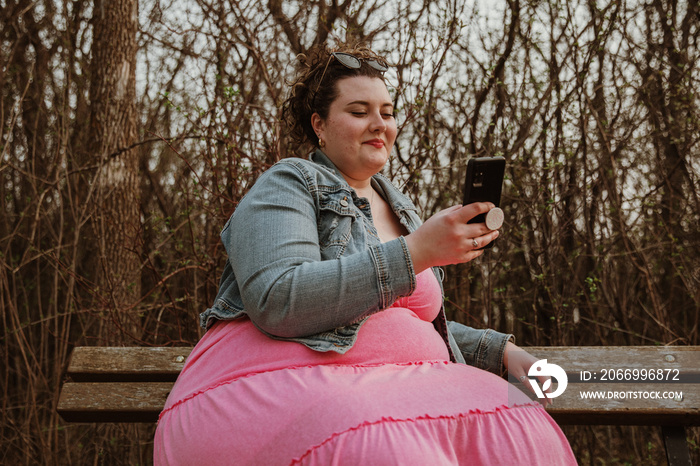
360	129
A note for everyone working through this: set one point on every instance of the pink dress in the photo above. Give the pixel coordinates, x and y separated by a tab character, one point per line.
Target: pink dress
394	398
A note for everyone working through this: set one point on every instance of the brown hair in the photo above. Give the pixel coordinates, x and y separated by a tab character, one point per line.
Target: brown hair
304	100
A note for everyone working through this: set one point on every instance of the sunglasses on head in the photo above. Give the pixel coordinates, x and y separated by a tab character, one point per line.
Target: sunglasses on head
351	61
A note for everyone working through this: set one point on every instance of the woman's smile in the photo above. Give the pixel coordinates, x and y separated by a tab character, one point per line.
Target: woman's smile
378	143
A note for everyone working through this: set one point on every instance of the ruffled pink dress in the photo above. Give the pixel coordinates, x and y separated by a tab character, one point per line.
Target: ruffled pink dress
394	398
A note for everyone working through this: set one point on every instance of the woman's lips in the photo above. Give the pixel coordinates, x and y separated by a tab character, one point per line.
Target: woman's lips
378	143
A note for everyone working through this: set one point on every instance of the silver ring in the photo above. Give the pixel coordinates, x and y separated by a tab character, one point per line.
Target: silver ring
475	243
522	378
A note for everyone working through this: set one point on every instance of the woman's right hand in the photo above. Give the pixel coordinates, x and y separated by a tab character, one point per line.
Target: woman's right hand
446	237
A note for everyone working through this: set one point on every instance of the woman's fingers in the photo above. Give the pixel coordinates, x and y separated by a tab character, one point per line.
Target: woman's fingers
485	239
470	211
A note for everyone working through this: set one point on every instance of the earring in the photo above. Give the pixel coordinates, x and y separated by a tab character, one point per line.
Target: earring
321	143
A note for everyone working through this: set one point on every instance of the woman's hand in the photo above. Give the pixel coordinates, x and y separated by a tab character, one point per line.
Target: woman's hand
518	362
446	237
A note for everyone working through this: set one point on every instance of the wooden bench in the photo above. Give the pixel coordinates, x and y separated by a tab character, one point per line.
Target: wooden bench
109	384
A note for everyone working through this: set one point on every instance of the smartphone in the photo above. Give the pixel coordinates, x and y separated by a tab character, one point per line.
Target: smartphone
484	183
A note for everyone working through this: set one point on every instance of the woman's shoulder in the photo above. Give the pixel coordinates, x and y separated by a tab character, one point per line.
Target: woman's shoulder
288	168
294	176
311	170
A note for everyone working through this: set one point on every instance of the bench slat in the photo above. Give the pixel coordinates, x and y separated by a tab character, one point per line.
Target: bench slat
571	408
113	402
577	358
128	364
112	384
95	364
142	402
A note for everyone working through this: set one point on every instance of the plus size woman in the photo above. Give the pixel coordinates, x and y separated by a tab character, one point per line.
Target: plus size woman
327	342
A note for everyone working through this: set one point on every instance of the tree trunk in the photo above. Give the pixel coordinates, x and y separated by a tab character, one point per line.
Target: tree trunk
116	222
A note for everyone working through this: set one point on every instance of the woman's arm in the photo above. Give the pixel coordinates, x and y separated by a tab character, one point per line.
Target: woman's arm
482	348
272	242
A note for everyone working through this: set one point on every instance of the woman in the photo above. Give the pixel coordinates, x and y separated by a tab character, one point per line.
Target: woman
327	342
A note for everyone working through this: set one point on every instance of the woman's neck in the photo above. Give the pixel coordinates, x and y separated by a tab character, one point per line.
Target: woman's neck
363	188
366	192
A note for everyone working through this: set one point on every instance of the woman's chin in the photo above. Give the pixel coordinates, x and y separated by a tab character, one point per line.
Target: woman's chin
377	158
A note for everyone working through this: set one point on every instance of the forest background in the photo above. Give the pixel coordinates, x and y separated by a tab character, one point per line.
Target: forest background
131	129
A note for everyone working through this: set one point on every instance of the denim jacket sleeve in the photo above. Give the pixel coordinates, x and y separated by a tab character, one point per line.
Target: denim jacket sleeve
272	241
482	348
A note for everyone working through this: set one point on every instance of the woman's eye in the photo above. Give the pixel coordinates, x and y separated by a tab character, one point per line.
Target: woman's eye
359	113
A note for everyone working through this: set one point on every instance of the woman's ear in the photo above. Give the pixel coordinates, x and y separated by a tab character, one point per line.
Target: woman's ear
317	124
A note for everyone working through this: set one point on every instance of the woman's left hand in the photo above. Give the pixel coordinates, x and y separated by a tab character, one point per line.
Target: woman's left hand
518	362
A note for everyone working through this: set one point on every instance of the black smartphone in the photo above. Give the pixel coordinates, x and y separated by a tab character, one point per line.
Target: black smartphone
484	183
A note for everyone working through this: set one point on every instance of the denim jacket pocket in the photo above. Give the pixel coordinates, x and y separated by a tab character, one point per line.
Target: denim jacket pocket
337	216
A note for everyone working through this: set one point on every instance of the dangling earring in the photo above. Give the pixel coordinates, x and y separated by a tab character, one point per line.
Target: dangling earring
321	143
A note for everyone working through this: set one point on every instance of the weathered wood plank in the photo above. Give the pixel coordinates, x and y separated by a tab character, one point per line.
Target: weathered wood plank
165	363
626	402
113	402
127	364
578	358
132	384
572	408
142	402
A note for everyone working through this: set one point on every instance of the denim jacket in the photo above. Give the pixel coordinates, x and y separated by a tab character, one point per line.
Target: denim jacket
306	263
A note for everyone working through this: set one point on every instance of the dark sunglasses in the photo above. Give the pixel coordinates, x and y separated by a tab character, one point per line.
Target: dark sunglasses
352	62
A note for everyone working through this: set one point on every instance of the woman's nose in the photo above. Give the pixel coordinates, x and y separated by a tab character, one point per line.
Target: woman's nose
377	122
